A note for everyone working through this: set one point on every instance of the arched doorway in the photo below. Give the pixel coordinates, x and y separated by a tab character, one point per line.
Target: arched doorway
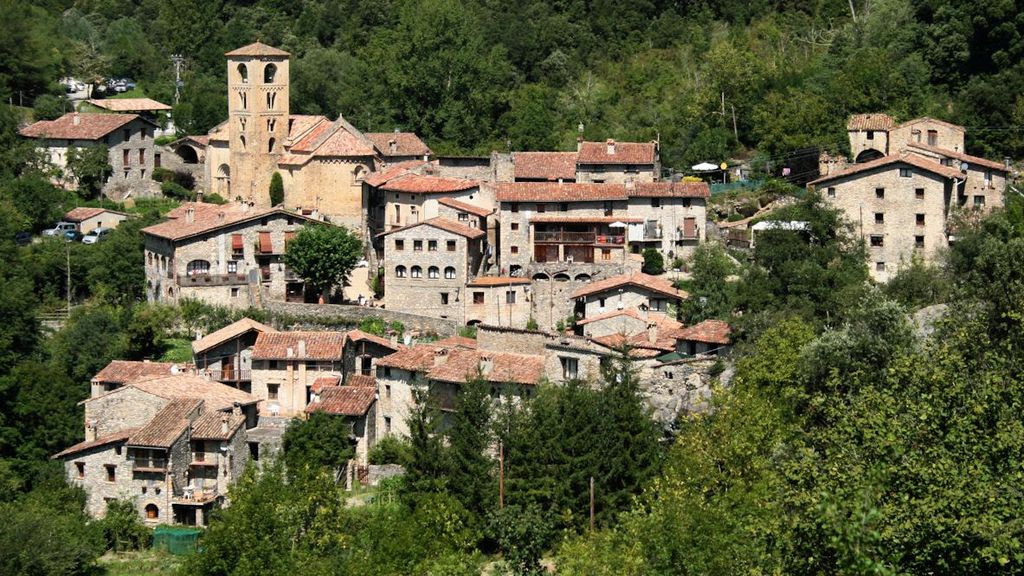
187	154
152	512
868	155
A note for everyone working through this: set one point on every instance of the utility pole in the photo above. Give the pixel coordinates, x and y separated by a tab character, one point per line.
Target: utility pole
501	475
178	59
68	246
591	503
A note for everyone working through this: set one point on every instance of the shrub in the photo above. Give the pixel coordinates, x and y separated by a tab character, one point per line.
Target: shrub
391	450
654	263
176	191
276	190
468	332
122	529
531	324
214	199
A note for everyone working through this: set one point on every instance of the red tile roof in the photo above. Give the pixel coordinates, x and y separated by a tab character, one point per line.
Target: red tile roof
362	381
210	217
465	207
89	127
257	49
119	436
662	321
130	105
544	165
325	382
559	192
881	122
300	126
123	371
229	332
359	335
461	365
319	346
485	281
167	425
639	343
638	279
216	396
902	158
961	156
669	190
406	144
624	153
443	224
392	171
344	401
457	342
414	359
555	218
210	426
422	184
84	213
709	331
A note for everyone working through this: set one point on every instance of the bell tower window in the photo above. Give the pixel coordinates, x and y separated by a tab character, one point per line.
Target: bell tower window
243	74
271	97
269	72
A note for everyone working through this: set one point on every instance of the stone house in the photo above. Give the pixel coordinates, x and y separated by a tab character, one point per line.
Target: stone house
711	337
228	255
673	216
398	146
463	212
412	198
225	355
89	219
869	136
617	162
120	372
544	166
498	301
427	266
873	136
357	404
170	444
361	351
985	180
128	138
638	291
285	366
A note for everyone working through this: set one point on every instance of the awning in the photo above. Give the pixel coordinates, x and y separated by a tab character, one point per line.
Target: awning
236	242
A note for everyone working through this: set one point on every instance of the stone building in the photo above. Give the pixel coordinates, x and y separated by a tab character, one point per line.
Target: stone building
286	365
225	355
427	266
89	219
228	255
399	146
711	337
869	136
358	405
120	372
633	291
617	162
498	301
361	351
128	138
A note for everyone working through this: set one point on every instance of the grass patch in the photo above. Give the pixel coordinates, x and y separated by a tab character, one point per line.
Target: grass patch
151	562
178	350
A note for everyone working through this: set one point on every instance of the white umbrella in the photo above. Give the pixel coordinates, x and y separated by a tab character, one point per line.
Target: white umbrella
617	225
705	167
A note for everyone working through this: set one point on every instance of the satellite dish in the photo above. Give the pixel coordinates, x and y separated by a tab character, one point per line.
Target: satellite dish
174	369
963	166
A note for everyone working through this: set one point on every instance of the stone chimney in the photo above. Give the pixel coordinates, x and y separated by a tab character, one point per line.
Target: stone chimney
90	430
393	146
302	348
290	352
190	215
220	216
223	423
579	143
652	332
76	119
486	364
440	355
611	146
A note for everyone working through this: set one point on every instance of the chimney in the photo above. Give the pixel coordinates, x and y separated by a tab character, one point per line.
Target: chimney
90	430
190	215
611	147
302	348
579	142
440	356
223	423
76	119
393	146
652	332
220	216
236	409
290	353
1006	163
486	364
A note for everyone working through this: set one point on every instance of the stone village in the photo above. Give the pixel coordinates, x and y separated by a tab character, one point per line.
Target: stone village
541	252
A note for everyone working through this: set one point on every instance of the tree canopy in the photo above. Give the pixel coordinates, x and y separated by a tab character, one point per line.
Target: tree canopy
323	255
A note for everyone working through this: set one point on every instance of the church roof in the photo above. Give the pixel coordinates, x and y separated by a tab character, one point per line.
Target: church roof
257	49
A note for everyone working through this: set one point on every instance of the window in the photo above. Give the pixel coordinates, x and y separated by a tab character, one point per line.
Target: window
514	207
988	179
905	173
669	374
686	202
142	156
606	254
877	240
416	272
269	72
871	134
111	472
451	245
127	133
449	272
270	124
241	139
879	218
234	292
919	219
933	137
608	208
243	73
272	391
478	297
417	245
117	450
399	271
387	424
232	266
270	145
515	226
444	298
600	302
244	99
880	266
463	217
659	305
515	249
196	267
979	201
541	208
156	160
879	193
80	468
387	390
919	193
142	173
831	192
271	98
433	273
918	241
510	297
655	202
126	158
570	367
431	245
399	245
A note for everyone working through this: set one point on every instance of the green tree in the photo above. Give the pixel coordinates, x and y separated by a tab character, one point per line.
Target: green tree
323	255
122	528
427	470
89	166
471	479
654	262
710	294
35	197
322	441
276	190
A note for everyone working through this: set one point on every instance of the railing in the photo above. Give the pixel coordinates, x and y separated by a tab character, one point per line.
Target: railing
190	495
564	237
211	279
610	239
291	276
149	464
694	235
232	375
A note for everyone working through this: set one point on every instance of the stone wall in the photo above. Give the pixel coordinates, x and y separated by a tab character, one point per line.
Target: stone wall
377	472
425	295
338	315
121	409
678	388
97	489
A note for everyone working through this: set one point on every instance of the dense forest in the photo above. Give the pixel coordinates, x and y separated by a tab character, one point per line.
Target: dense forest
858	429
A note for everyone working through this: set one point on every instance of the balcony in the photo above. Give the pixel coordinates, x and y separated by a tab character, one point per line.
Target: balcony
560	237
149	465
194	496
617	239
233	279
232	375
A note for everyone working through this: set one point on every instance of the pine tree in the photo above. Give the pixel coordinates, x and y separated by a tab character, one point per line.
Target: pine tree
471	478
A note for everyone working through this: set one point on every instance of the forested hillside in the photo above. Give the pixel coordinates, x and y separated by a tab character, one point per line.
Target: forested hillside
709	79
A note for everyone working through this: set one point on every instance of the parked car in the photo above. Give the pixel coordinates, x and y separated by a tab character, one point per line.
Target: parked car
73	236
96	235
60	228
23	238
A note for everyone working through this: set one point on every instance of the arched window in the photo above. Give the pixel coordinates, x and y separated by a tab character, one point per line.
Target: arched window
152	512
271	97
449	272
400	271
197	267
269	71
243	74
433	272
358	173
416	272
241	139
270	146
223	171
270	124
149	258
243	99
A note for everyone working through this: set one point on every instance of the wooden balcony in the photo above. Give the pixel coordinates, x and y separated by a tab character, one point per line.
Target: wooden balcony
149	465
232	375
233	279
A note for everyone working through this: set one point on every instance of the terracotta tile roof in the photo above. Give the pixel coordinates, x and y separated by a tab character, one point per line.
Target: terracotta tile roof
210	217
83	213
89	127
167	425
625	153
123	371
339	139
544	165
203	140
219	133
422	184
554	218
902	158
130	105
210	426
639	279
414	359
559	192
319	346
709	331
934	121
233	330
392	171
465	207
302	125
443	224
307	138
257	49
662	321
639	343
359	335
485	281
457	342
119	436
961	156
344	401
461	365
406	144
669	190
325	382
362	381
217	396
881	122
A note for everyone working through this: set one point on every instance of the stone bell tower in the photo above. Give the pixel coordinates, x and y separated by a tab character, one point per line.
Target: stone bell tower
257	119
